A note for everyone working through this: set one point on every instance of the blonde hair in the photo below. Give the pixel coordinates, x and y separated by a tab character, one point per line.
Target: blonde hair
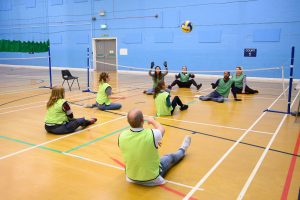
58	92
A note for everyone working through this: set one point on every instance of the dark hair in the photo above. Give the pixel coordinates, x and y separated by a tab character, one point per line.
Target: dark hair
103	77
239	67
159	76
158	88
135	120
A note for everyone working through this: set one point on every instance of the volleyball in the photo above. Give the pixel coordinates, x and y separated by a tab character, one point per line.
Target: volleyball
186	26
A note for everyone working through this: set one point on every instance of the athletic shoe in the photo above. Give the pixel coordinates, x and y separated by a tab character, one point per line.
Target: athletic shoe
186	142
184	107
169	87
199	86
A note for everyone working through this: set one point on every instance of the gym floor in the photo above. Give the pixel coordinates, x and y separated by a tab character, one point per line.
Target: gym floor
237	150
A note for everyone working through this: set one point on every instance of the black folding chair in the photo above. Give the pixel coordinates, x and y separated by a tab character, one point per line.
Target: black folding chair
66	75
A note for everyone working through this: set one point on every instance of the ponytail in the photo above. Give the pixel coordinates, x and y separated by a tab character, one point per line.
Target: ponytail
103	77
158	88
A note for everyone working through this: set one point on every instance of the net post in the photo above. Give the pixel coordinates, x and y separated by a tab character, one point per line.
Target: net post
50	70
291	80
88	72
50	67
282	77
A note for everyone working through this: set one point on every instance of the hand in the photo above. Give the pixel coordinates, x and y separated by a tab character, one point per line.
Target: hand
165	64
192	75
152	65
176	77
150	120
213	85
236	99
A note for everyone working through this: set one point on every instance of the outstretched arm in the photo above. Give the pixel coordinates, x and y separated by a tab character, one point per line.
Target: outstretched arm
109	93
214	85
150	71
234	92
244	84
166	69
156	125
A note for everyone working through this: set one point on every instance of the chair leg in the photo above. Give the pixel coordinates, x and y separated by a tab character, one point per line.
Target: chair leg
78	83
63	83
69	85
72	82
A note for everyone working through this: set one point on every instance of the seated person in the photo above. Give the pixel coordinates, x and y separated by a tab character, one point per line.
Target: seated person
59	117
223	88
240	82
104	95
139	147
156	76
185	81
163	104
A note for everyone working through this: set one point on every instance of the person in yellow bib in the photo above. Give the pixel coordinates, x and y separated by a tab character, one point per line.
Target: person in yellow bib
104	95
156	76
184	80
59	117
163	104
223	87
139	148
240	82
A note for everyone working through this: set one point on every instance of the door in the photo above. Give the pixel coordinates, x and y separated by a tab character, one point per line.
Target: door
105	55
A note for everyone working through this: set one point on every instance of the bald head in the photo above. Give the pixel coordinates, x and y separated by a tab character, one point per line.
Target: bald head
135	118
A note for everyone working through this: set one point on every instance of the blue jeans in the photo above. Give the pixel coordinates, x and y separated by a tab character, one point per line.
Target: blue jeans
214	96
169	160
112	106
68	127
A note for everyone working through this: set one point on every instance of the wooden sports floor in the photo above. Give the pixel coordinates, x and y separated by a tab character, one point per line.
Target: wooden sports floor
237	150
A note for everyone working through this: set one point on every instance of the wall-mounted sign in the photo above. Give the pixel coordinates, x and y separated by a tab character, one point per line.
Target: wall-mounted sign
249	52
123	52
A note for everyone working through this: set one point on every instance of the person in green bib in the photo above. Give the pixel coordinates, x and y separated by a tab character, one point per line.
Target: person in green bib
59	117
139	148
240	82
156	76
223	87
184	80
163	104
104	95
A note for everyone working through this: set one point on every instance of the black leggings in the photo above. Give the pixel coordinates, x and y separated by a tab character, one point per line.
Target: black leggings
248	90
184	84
68	127
176	101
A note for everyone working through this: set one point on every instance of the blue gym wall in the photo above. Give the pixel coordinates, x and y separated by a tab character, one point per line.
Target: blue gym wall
221	31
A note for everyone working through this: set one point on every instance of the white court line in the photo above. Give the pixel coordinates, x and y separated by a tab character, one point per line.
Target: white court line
37	102
214	125
261	159
2	113
120	168
50	141
216	165
200	123
20	91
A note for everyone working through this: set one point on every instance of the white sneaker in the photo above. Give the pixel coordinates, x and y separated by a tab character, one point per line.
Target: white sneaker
186	142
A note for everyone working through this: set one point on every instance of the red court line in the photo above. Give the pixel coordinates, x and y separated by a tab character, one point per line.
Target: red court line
118	162
175	191
289	177
162	186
